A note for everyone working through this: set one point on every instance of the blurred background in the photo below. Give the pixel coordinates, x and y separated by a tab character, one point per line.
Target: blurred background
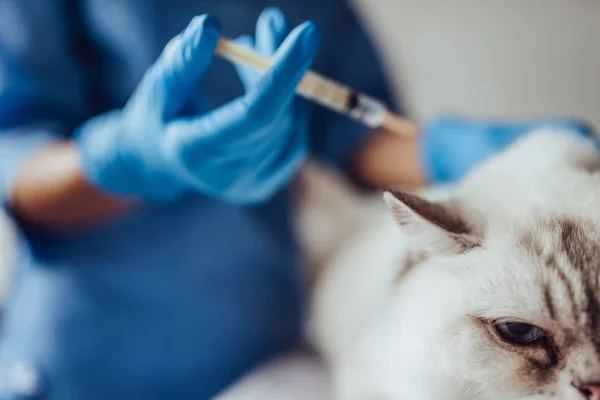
514	58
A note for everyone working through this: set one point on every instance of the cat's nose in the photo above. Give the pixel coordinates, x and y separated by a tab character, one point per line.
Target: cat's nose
591	391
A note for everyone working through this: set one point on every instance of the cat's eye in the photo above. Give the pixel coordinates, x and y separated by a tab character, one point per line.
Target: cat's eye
520	333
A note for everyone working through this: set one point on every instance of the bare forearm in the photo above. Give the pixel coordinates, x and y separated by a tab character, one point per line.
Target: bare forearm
391	160
51	193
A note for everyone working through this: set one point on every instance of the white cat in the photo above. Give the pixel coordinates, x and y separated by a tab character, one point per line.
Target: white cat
491	294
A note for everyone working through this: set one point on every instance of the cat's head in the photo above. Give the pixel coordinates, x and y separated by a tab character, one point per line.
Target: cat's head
497	309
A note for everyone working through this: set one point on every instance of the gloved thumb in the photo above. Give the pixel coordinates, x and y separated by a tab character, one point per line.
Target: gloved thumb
184	60
291	61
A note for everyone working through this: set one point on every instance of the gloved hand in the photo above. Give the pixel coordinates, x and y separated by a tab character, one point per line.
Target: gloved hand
272	28
242	152
452	146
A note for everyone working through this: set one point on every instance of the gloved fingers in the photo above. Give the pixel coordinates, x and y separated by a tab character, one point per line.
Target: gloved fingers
272	156
255	179
273	170
186	139
227	127
248	76
247	115
222	137
248	173
181	64
263	142
274	162
450	147
223	132
272	28
277	87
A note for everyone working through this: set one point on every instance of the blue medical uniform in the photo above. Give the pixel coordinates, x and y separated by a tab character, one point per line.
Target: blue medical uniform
173	301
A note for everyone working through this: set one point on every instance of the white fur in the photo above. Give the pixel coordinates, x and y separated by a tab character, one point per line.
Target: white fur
410	338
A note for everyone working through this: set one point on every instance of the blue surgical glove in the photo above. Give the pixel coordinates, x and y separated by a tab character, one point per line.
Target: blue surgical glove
451	146
272	28
242	152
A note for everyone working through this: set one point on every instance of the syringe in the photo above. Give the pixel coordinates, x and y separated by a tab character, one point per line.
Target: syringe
325	92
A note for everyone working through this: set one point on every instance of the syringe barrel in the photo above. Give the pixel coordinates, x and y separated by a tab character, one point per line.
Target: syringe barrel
342	99
314	87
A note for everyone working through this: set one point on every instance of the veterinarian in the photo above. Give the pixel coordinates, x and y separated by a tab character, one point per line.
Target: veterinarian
152	186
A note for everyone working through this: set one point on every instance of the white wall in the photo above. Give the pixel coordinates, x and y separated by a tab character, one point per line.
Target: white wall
492	58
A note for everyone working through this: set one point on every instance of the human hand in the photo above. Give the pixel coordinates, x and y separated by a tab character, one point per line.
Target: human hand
452	146
272	28
242	152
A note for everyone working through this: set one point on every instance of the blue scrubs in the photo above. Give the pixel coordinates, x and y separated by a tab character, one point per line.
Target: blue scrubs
173	301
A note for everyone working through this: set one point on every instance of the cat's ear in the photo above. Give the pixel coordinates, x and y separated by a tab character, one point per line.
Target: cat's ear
432	227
